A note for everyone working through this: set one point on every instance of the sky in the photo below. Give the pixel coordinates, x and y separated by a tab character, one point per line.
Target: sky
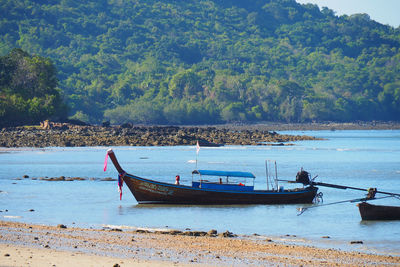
382	11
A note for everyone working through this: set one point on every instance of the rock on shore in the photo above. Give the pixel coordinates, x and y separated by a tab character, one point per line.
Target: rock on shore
69	135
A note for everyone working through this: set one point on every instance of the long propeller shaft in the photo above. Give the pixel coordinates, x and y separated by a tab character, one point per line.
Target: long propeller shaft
350	187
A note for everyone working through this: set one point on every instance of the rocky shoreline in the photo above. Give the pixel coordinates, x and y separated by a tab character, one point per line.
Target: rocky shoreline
51	134
69	135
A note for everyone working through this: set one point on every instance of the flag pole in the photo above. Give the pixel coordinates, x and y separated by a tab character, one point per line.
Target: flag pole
197	151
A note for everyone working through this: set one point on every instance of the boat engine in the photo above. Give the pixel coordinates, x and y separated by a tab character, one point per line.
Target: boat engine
303	177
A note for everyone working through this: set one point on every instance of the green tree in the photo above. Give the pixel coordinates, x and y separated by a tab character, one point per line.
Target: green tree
185	84
28	89
390	99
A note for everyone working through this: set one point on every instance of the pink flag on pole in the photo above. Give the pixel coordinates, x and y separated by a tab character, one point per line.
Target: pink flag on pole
105	162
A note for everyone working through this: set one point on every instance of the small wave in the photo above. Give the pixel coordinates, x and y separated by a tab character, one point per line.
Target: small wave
191	161
226	147
11	217
3	192
342	149
150	229
118	226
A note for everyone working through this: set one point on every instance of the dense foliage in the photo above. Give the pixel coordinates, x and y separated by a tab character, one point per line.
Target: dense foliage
28	89
210	61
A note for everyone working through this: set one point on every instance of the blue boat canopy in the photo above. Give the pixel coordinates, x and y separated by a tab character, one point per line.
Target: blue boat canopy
224	173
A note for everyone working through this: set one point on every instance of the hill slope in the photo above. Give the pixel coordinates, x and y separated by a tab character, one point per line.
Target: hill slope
210	61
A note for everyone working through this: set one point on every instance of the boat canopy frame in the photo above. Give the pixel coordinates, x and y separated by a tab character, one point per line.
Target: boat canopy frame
225	174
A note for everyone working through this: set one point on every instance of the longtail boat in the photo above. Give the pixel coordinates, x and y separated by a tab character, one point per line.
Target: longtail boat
378	212
222	191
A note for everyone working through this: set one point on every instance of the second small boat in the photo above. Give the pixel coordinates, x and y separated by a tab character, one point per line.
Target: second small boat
378	212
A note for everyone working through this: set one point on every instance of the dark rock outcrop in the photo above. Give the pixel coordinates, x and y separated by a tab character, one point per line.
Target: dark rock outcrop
69	135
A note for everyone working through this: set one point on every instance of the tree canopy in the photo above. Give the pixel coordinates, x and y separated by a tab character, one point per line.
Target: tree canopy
28	89
210	61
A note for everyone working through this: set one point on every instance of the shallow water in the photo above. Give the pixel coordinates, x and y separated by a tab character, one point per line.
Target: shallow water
355	158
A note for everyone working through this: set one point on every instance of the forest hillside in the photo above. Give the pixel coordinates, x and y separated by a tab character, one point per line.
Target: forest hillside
210	61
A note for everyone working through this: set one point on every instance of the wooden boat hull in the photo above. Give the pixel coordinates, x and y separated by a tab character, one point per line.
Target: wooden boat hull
149	191
378	212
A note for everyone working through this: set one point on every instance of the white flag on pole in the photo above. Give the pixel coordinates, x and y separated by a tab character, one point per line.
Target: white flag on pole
197	147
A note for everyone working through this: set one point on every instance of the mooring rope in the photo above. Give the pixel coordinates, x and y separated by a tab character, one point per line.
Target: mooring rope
302	210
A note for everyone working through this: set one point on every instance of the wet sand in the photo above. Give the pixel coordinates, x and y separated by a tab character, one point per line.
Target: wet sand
38	245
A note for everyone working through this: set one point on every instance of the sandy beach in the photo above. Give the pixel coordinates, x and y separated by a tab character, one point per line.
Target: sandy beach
39	245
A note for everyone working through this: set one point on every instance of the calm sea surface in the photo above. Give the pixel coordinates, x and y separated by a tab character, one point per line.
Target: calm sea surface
354	158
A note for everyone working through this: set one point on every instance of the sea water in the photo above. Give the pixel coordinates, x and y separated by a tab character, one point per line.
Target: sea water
361	159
